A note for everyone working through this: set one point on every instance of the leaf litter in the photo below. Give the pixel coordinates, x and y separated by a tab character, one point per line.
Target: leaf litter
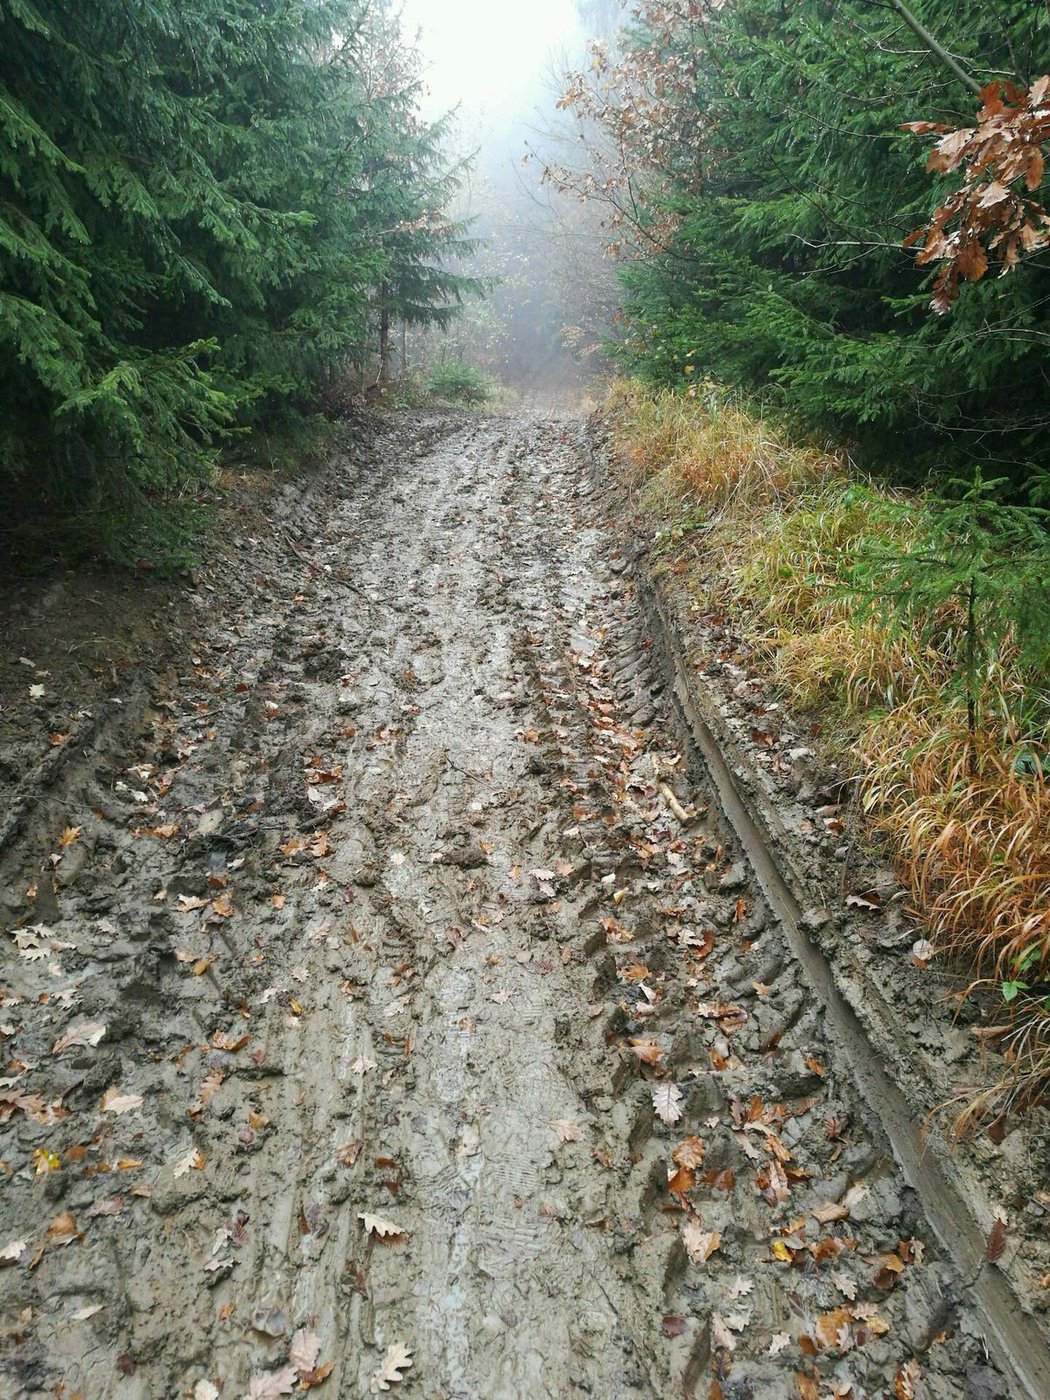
662	996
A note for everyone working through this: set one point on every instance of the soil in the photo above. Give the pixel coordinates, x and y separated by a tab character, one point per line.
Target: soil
386	1002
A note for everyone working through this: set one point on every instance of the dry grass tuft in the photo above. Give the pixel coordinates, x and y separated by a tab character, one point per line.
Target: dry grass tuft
967	812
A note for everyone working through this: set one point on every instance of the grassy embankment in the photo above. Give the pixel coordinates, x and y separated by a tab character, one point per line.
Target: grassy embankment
916	627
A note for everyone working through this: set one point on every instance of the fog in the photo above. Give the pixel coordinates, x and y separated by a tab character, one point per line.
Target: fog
499	69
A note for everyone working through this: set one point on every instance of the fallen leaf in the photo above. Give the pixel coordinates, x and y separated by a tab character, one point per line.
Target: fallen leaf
205	1390
362	1064
376	1225
672	1325
45	1161
667	1100
647	1051
832	1210
699	1243
398	1358
188	902
275	1383
193	1161
720	1333
308	1379
302	1354
567	1130
996	1239
864	901
111	1205
690	1152
113	1101
162	833
83	1033
11	1253
922	951
82	1314
63	1228
69	835
779	1342
906	1381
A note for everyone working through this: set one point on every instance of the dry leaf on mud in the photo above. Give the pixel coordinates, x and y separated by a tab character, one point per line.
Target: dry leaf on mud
193	1161
11	1253
720	1333
205	1390
398	1358
362	1064
162	833
699	1243
187	903
567	1130
906	1381
690	1152
997	1237
69	835
302	1354
830	1211
82	1314
273	1384
346	1155
83	1033
647	1051
376	1225
63	1228
779	1342
113	1101
667	1100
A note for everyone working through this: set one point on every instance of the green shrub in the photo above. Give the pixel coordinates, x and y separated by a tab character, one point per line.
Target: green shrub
458	382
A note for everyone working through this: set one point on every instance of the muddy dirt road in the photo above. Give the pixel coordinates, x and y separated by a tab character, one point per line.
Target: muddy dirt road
384	1008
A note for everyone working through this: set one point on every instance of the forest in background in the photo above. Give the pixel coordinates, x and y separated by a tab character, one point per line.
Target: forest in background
211	212
759	183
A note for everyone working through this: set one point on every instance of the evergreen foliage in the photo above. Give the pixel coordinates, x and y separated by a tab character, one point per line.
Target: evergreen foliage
206	207
768	192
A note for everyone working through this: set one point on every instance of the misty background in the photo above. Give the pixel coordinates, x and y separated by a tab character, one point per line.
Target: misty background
495	75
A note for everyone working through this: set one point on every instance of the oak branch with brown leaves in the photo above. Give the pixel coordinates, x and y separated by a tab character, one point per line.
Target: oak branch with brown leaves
991	217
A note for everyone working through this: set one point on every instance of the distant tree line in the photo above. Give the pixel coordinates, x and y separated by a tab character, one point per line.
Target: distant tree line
759	188
209	209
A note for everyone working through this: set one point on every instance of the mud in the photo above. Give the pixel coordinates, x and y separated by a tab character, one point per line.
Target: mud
348	963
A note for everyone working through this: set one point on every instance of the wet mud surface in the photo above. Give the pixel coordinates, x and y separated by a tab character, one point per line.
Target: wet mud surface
386	1007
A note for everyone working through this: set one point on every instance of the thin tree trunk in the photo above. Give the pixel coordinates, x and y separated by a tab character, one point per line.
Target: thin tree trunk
937	49
384	337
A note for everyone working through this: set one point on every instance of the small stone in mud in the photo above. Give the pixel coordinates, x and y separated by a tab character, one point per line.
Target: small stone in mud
813	920
735	877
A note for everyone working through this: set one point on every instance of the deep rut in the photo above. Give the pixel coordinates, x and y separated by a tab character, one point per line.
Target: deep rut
384	909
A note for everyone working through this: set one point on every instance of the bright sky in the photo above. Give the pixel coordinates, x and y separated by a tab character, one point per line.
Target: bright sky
482	52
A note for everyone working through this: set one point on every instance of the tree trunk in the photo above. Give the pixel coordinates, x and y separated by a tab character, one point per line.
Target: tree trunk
384	336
